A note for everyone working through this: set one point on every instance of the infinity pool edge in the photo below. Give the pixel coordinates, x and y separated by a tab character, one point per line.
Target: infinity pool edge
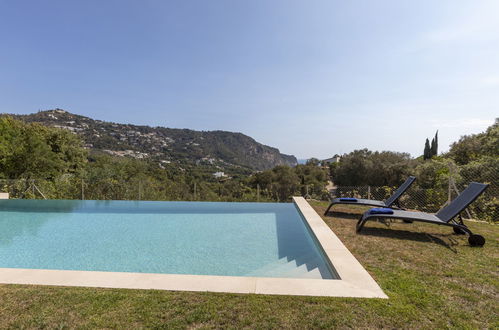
354	280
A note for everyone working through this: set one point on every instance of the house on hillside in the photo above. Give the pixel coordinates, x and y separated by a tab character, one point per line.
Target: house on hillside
219	175
335	159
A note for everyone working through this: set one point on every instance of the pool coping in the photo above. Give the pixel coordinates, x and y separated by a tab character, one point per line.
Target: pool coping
354	280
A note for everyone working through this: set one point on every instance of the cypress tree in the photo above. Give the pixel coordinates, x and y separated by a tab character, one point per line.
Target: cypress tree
427	150
434	145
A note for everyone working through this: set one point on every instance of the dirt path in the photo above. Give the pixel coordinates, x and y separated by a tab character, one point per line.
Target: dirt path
330	186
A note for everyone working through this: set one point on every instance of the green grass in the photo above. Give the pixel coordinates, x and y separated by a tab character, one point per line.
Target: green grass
434	280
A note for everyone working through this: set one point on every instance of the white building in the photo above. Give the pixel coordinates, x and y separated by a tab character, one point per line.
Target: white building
334	159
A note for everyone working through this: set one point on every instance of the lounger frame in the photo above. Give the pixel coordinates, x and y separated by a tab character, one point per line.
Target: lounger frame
393	200
446	216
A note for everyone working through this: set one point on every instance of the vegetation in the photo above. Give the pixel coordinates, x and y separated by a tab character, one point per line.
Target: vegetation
364	167
35	151
432	277
282	182
472	158
219	148
431	150
63	169
476	146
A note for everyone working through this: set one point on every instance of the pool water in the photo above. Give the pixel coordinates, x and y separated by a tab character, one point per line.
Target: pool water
200	238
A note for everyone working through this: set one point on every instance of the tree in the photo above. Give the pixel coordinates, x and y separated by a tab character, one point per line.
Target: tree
364	167
434	145
312	176
286	182
431	150
472	147
432	173
313	161
263	179
427	150
36	151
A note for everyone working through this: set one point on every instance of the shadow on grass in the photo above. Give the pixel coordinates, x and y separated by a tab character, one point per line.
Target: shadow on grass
409	235
344	215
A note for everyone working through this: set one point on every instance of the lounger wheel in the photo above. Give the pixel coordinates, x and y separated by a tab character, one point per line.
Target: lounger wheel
458	231
476	240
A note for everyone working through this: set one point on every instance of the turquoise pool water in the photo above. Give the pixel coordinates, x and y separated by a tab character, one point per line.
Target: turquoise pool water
204	238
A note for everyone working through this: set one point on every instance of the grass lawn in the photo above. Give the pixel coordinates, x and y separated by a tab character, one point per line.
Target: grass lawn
433	278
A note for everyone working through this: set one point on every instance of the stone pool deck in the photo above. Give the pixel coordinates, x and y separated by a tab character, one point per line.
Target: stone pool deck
354	280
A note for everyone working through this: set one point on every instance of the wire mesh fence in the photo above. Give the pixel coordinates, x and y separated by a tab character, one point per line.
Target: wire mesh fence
134	189
486	207
418	197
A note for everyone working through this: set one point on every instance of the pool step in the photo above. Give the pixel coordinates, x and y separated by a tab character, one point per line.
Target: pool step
314	273
285	268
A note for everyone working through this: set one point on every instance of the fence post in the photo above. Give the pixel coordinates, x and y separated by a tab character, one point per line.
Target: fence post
195	191
449	192
307	195
368	192
37	189
257	192
140	188
82	190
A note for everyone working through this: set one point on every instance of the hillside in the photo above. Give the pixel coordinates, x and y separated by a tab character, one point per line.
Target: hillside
220	148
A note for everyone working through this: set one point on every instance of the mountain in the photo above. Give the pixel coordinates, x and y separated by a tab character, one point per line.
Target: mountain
220	148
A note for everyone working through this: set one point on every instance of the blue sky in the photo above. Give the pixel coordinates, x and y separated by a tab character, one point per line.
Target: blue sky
312	78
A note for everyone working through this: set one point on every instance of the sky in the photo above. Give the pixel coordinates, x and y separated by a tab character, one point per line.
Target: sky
312	78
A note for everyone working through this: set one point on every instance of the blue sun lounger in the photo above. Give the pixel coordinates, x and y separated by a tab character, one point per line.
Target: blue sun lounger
446	216
392	200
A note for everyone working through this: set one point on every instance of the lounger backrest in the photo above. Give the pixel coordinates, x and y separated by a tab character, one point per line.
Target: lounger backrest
465	198
396	195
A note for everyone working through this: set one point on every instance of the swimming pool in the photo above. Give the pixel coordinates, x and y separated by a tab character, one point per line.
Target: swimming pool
199	238
262	248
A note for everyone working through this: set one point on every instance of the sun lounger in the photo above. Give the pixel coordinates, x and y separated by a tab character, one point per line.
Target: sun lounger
390	202
446	216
